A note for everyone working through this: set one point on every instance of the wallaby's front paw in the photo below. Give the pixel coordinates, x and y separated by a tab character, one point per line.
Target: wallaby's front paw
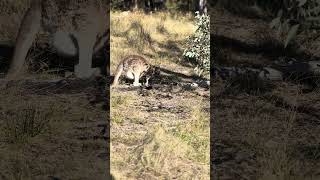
113	86
136	84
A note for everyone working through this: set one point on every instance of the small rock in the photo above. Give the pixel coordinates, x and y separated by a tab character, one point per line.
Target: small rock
194	85
271	74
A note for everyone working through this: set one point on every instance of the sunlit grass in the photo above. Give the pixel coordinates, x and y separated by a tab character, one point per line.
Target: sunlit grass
196	133
171	29
143	143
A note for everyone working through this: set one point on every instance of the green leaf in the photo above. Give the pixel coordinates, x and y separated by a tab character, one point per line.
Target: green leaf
279	29
275	22
292	33
286	26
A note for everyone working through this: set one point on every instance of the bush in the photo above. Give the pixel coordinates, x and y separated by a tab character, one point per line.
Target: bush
296	16
198	44
290	17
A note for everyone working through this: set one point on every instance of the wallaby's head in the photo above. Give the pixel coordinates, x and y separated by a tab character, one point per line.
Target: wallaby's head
153	75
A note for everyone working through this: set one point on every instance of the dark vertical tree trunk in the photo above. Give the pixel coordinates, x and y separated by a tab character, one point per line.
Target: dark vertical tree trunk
136	6
128	4
151	5
193	5
148	5
158	4
203	6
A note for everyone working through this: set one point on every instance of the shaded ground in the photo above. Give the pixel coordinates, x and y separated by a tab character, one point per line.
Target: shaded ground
270	134
47	131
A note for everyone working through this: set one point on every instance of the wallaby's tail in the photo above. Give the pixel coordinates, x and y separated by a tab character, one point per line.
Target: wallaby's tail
117	74
28	30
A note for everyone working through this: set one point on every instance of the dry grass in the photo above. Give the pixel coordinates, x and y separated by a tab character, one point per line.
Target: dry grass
144	34
151	137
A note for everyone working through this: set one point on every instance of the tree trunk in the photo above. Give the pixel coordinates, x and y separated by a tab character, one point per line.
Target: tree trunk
135	5
203	6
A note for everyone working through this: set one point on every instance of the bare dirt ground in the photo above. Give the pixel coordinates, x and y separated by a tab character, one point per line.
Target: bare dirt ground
261	130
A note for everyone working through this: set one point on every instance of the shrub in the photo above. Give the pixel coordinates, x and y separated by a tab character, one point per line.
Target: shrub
296	16
198	44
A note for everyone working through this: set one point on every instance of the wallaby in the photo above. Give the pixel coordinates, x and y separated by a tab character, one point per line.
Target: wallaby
134	67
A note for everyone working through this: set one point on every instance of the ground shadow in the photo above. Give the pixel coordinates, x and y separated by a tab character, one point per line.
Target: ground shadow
46	59
167	78
268	49
6	52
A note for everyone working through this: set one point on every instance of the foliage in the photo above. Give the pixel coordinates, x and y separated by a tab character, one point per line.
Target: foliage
198	44
296	16
290	17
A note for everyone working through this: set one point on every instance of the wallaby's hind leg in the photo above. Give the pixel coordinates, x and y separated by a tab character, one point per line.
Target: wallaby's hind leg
28	30
65	44
86	43
136	79
117	75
